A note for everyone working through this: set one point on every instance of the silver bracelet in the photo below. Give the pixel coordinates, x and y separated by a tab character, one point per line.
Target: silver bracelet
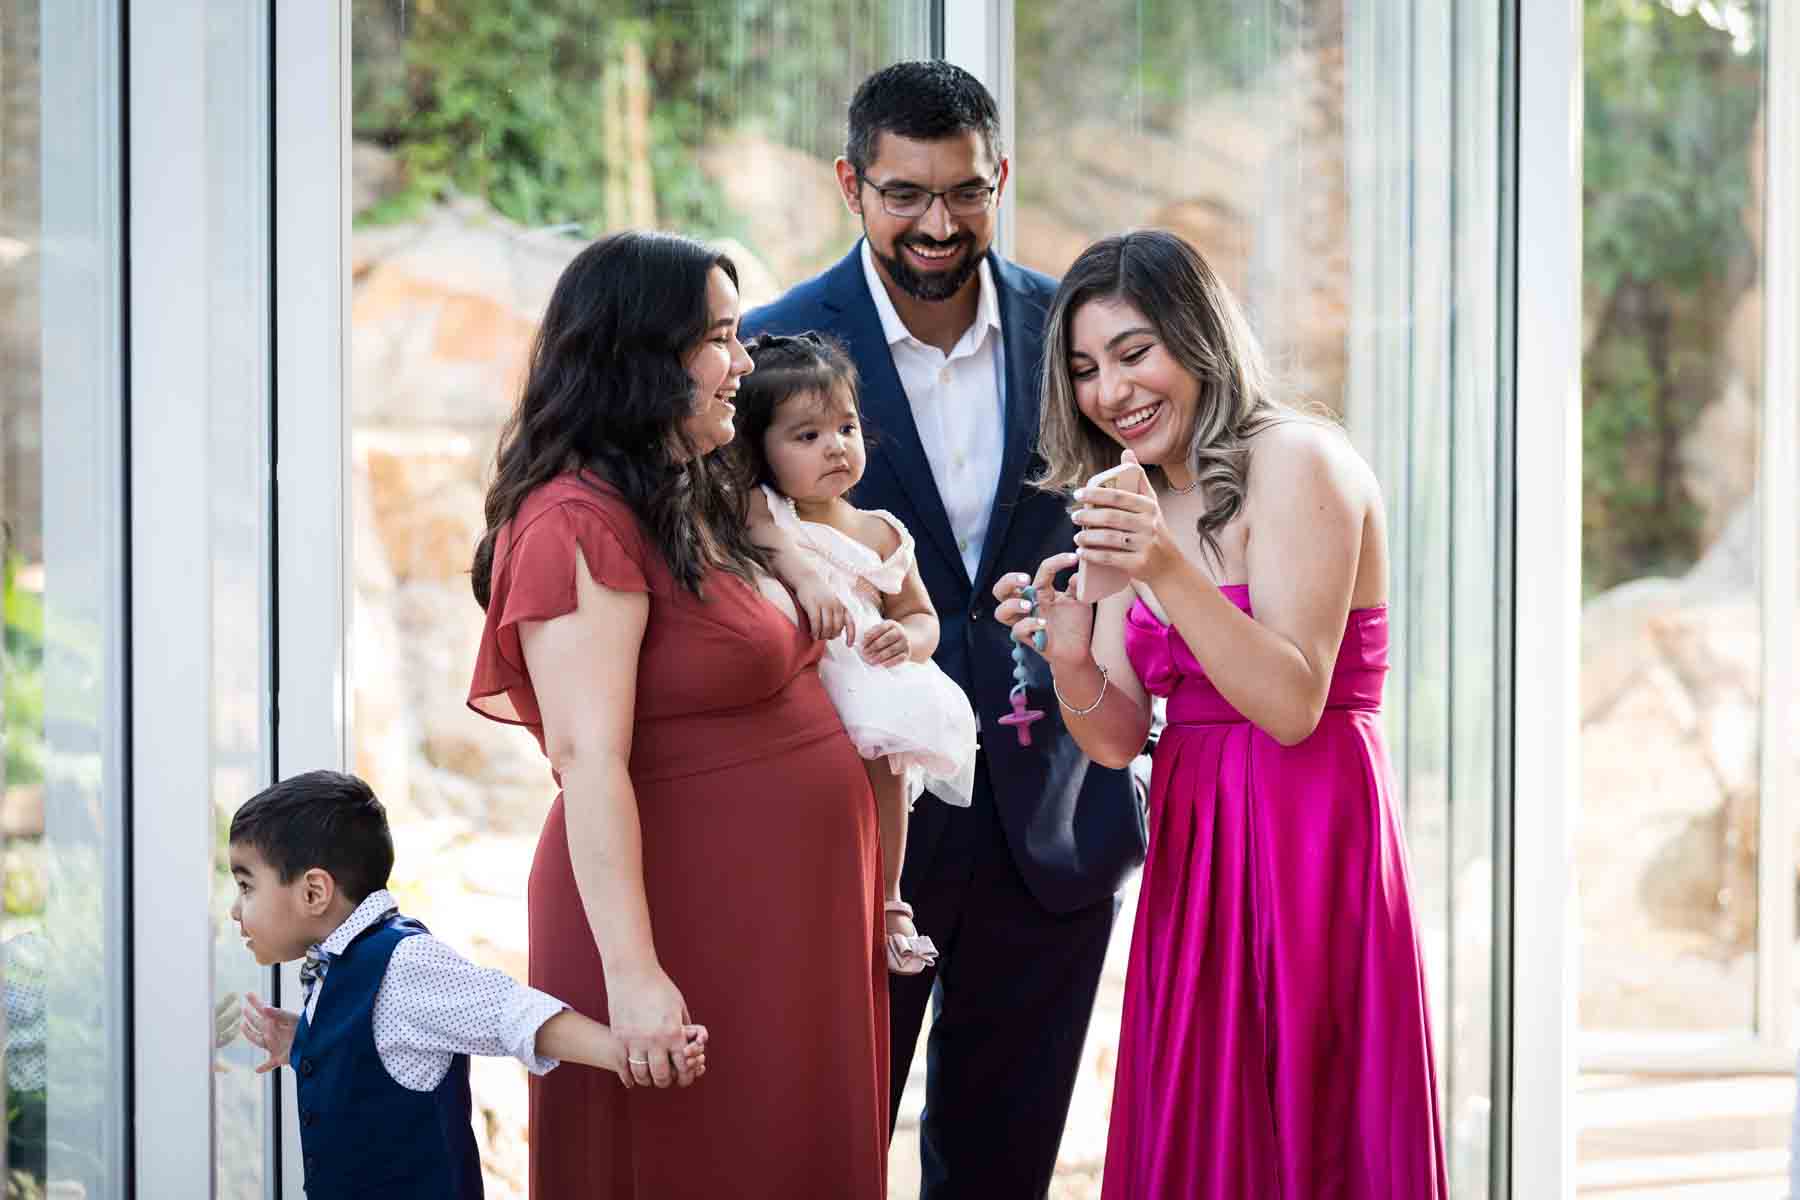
1082	712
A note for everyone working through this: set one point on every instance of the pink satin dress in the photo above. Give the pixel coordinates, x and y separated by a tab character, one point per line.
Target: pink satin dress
1275	1043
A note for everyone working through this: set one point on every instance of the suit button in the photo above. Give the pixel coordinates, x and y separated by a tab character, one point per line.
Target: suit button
309	1119
312	1162
306	1066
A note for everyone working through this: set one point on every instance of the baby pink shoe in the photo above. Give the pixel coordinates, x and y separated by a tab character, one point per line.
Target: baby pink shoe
907	953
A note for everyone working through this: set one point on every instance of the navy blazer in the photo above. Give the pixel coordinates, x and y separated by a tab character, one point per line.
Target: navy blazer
1074	827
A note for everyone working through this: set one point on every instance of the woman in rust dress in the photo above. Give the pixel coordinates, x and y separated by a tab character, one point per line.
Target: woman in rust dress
713	855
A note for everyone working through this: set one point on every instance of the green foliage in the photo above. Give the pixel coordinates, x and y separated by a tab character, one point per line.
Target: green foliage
23	696
499	99
528	104
1671	106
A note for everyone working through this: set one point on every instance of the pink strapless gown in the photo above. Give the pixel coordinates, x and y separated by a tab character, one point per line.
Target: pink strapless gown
1275	1043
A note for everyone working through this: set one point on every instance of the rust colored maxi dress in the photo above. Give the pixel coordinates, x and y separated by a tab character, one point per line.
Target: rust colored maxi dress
762	868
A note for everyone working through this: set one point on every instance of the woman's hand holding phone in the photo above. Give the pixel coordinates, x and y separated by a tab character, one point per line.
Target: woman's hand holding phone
1097	576
1121	535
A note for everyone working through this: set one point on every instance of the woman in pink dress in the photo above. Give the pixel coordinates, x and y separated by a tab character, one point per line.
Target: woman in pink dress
1276	1042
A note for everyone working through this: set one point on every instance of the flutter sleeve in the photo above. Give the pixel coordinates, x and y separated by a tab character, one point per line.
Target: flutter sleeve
534	580
891	574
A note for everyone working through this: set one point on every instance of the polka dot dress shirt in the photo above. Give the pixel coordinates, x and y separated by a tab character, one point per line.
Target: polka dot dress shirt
435	1004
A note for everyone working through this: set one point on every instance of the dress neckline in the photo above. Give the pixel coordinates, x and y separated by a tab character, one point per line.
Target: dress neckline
1138	603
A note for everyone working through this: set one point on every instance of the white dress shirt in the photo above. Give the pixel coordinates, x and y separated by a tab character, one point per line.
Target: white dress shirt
435	1004
958	406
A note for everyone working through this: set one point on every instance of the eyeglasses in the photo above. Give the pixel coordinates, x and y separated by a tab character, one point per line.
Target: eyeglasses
911	200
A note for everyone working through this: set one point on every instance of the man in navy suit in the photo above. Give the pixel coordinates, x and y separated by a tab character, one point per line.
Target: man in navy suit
1019	890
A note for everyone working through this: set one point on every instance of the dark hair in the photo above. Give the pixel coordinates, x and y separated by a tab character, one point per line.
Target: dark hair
785	366
606	392
323	819
924	101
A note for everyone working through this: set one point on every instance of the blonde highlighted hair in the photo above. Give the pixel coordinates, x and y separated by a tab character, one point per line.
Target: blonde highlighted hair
1200	323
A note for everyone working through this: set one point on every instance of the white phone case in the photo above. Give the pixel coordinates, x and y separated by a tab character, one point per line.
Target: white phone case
1094	582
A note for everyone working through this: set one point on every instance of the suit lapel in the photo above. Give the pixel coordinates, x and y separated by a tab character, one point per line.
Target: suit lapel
1022	332
886	408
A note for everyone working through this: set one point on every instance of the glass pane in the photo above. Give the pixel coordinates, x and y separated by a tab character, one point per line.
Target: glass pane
237	465
1672	391
486	149
1672	687
1337	162
61	476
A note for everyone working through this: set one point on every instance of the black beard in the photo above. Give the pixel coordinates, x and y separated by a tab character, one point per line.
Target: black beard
935	287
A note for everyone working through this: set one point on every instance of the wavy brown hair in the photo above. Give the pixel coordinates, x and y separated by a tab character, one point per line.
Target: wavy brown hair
605	394
1196	317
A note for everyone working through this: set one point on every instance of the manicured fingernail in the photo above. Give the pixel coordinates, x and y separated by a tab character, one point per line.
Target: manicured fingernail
1039	641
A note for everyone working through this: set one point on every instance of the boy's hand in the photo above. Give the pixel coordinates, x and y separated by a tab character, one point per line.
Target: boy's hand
693	1054
270	1028
828	615
886	645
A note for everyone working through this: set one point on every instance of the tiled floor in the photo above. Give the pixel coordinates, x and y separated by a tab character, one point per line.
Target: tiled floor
1640	1137
1676	1138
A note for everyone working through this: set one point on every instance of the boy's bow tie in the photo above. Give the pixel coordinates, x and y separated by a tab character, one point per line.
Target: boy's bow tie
318	959
313	968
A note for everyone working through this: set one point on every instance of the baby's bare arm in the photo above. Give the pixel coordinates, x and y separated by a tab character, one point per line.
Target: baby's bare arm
911	608
825	612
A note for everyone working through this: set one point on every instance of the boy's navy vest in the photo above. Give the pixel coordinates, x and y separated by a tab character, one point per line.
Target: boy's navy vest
364	1135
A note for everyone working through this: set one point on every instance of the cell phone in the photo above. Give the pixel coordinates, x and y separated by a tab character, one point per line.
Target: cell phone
1094	582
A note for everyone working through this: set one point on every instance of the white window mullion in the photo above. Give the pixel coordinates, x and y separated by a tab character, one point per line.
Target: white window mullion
1547	602
980	40
171	602
311	303
1776	494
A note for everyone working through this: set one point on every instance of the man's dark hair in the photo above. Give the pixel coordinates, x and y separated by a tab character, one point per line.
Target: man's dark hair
323	819
924	101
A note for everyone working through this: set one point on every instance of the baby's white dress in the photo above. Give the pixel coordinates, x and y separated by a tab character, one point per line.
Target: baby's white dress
911	714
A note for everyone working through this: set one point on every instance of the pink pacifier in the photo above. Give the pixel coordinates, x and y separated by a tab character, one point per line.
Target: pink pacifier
1021	717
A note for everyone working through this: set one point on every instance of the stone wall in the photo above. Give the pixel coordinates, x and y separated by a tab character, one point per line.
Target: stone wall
1671	686
1666	845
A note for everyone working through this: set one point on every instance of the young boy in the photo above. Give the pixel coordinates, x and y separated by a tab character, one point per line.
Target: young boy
389	1013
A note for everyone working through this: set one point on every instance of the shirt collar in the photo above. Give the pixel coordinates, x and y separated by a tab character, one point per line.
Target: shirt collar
373	907
987	305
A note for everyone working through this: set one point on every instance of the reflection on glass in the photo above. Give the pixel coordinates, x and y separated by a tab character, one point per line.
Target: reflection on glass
1221	120
486	149
61	851
1672	391
1337	162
